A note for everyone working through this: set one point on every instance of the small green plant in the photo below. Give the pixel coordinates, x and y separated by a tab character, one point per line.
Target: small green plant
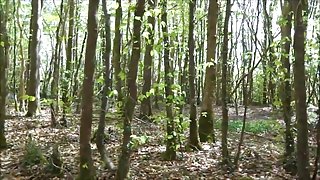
139	140
33	154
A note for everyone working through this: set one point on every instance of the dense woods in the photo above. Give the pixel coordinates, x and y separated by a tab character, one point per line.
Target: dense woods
159	89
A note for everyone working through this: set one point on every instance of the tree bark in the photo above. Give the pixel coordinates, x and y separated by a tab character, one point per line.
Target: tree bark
3	67
34	81
146	110
124	160
116	56
206	119
69	61
87	170
194	136
300	24
285	90
105	91
225	118
317	158
170	153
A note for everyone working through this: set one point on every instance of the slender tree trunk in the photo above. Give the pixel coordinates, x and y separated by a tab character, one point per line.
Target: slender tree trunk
14	79
116	54
124	160
105	91
87	170
225	118
146	110
299	9
158	96
56	62
194	137
22	89
170	153
285	91
76	74
34	81
68	71
206	119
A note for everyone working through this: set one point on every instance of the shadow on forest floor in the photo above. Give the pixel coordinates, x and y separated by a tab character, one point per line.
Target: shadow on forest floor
260	157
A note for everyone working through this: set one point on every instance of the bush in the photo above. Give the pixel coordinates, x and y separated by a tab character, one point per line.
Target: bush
33	154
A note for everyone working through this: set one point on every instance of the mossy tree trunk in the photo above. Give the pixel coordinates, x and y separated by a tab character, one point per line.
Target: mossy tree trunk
170	153
87	170
285	90
206	119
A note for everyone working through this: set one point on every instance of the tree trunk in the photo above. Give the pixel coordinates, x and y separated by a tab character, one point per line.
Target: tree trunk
206	116
57	61
105	91
116	56
87	170
317	158
34	81
285	91
3	75
146	110
68	71
299	9
225	118
194	137
170	153
22	89
124	160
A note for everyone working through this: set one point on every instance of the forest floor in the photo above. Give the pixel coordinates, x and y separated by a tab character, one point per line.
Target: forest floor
260	155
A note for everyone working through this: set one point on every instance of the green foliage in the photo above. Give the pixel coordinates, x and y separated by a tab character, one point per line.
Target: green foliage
27	97
253	126
137	141
33	154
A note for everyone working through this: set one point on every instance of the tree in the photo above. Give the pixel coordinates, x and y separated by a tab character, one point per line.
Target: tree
106	89
4	47
170	153
146	110
86	163
207	116
124	160
300	23
225	118
317	158
66	82
34	81
116	55
57	59
194	137
285	89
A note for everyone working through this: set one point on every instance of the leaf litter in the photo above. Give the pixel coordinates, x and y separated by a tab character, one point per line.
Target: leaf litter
260	158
